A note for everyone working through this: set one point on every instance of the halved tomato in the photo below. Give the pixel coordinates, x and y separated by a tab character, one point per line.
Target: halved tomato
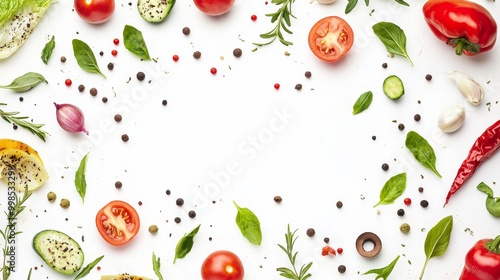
117	222
331	38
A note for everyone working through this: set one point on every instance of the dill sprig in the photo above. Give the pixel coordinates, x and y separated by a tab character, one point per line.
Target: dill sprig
10	230
302	274
282	16
12	117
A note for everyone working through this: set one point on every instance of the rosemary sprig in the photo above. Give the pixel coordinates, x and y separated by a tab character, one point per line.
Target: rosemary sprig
282	16
12	117
302	274
352	3
10	230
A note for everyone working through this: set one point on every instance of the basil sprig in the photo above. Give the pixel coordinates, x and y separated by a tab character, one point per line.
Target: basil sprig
86	270
392	189
157	266
47	50
362	103
85	57
25	82
134	42
249	225
80	182
422	151
383	272
185	244
437	240
393	38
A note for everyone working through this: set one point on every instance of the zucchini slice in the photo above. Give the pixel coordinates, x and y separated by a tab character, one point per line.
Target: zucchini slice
59	251
393	87
155	11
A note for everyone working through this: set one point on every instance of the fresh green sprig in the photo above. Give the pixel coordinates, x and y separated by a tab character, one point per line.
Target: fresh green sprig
6	234
302	273
283	16
157	266
351	4
12	117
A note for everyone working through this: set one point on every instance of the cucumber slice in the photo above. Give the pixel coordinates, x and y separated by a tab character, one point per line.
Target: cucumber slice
155	11
59	251
393	87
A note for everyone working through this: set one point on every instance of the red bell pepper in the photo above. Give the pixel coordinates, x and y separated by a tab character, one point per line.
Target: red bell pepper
482	262
462	24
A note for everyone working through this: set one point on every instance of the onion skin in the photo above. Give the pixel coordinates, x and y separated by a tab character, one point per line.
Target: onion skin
70	118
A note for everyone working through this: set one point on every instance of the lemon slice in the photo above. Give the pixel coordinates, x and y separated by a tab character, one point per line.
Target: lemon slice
20	166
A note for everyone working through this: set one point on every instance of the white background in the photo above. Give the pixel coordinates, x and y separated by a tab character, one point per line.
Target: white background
318	155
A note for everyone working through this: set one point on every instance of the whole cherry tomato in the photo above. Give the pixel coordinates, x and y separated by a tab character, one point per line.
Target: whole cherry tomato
95	11
117	222
331	38
222	265
214	7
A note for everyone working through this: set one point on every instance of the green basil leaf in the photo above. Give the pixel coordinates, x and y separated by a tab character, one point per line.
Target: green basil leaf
47	50
85	57
393	38
392	189
350	6
25	82
383	272
86	270
134	42
157	266
492	203
249	225
362	103
422	151
185	244
402	2
437	240
80	182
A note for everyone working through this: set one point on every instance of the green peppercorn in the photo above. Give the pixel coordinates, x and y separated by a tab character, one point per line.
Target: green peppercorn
405	228
51	196
153	229
64	203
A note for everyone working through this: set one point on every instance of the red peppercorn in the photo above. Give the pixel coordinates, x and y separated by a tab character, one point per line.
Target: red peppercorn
407	201
114	52
213	70
254	17
340	250
277	86
68	82
116	41
175	57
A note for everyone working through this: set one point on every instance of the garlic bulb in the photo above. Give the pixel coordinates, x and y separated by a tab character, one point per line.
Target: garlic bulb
469	88
326	1
452	118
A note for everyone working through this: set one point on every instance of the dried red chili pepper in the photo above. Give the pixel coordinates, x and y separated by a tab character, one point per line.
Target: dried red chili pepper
327	250
482	262
482	149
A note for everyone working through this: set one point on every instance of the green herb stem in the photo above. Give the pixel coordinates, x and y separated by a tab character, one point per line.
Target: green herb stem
293	273
282	17
12	117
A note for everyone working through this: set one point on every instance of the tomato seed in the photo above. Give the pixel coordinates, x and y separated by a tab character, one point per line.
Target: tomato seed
68	82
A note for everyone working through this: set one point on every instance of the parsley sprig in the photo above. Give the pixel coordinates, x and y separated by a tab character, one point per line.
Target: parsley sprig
12	117
302	274
282	16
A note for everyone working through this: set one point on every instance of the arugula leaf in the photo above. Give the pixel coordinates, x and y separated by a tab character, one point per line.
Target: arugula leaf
249	225
134	42
422	151
80	182
86	270
392	189
383	272
25	82
157	266
85	57
362	103
185	244
47	50
393	38
437	240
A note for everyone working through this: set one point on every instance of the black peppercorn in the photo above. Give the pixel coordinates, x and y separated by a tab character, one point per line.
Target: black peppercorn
384	65
401	212
168	192
118	118
424	203
191	214
326	240
341	268
278	199
141	76
385	166
186	31
125	137
111	66
428	77
81	88
298	86
417	117
164	102
179	202
118	184
63	59
197	54
308	74
93	91
374	137
177	220
339	204
420	189
310	232
237	52
401	126
105	100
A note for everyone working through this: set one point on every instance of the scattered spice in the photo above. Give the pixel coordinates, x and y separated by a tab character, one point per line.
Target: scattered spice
111	66
179	202
81	88
401	212
93	91
116	41
141	76
428	77
420	189
417	117
298	86
401	127
424	203
186	31
164	102
308	74
118	184
405	228
153	229
64	203
339	204
168	192
326	240
125	138
104	99
341	268
374	137
118	118
385	166
237	52
197	54
192	214
177	220
63	59
310	232
278	199
51	196
101	53
384	65
21	99
253	17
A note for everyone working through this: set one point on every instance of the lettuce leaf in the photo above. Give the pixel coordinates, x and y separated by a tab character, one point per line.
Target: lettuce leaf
18	19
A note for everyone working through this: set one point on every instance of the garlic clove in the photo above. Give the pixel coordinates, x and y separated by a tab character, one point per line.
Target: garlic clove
452	118
469	88
325	2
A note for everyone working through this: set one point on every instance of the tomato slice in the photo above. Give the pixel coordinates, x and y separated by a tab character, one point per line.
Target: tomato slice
117	222
331	38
